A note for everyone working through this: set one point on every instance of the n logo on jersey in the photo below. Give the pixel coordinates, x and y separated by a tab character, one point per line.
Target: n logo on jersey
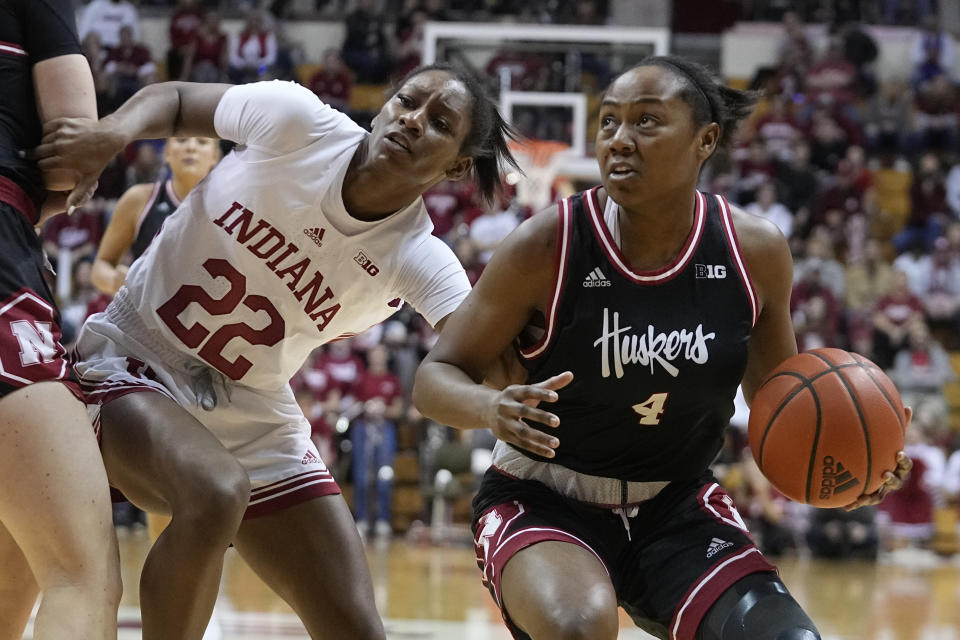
30	349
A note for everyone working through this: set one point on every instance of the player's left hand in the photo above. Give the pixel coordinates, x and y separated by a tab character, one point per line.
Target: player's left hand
892	480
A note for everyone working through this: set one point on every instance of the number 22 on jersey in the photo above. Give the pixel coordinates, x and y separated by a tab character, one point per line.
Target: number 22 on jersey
650	409
197	334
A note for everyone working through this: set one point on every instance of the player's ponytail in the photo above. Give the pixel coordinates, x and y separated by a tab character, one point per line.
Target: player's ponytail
487	140
710	99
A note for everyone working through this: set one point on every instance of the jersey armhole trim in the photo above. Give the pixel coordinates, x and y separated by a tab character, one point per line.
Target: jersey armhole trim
562	253
146	208
12	49
731	234
171	193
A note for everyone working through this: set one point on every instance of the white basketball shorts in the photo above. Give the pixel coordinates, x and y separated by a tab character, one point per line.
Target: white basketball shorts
265	430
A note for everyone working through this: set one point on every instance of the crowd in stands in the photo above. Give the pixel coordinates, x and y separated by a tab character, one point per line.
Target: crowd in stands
860	173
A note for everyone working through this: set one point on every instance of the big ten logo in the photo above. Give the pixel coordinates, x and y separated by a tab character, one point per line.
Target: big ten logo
710	271
367	264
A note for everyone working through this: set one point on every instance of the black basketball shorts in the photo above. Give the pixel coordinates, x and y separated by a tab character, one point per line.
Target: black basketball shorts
685	547
30	349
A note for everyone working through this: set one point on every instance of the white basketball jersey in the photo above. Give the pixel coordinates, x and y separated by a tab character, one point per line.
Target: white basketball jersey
262	263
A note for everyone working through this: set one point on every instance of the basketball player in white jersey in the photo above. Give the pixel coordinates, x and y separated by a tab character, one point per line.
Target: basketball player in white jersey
142	208
310	230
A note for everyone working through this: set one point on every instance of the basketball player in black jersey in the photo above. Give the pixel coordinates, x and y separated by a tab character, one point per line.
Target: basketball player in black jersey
56	533
639	307
141	210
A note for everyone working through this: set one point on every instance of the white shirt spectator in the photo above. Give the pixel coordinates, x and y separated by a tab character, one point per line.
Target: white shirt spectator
953	190
106	18
490	229
253	50
917	269
776	213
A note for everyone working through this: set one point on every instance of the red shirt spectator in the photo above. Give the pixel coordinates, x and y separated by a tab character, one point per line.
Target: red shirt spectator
80	232
448	203
528	72
378	383
832	79
333	82
184	22
129	59
342	367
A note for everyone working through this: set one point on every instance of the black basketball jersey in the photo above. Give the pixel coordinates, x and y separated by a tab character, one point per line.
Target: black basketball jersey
31	31
163	201
657	356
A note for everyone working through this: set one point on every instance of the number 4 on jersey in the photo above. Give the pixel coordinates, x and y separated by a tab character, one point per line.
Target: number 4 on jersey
650	409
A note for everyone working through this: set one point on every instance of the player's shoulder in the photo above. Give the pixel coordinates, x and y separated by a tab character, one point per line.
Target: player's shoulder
135	198
534	242
758	237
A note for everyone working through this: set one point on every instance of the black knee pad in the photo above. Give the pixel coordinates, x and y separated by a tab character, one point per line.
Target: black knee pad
757	607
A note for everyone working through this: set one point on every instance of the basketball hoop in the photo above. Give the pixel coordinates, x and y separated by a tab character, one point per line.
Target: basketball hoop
540	161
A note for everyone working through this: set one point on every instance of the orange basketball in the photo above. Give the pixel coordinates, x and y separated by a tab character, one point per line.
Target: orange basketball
825	426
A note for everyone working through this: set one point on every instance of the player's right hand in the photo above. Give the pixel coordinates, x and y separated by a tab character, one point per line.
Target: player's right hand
81	144
518	403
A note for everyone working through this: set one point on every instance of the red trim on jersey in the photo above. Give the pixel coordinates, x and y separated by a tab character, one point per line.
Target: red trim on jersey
301	488
663	274
12	49
147	207
14	195
562	253
727	217
710	586
172	194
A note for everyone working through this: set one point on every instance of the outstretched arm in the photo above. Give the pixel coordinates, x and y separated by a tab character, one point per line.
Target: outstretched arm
449	386
156	111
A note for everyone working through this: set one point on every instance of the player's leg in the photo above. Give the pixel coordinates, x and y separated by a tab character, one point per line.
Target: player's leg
312	556
56	506
559	590
165	461
18	589
757	607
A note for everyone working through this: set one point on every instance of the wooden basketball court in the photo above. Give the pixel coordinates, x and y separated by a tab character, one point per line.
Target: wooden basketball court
434	593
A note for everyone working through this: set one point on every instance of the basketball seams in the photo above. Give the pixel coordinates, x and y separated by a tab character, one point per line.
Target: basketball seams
856	404
866	365
783	404
816	441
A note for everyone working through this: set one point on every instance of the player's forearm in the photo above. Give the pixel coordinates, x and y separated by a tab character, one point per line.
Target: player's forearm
105	277
446	394
152	113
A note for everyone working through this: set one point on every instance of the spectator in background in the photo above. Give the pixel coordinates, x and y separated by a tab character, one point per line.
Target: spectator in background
766	206
129	66
253	51
941	288
365	47
96	56
907	518
815	312
778	129
73	310
932	52
207	55
860	50
928	206
952	186
893	316
920	371
409	36
797	180
888	117
146	166
79	232
828	141
106	18
489	230
342	368
185	20
935	119
867	280
332	82
374	438
450	205
819	257
832	80
754	167
892	180
466	252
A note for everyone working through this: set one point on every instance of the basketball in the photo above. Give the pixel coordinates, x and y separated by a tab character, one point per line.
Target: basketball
825	426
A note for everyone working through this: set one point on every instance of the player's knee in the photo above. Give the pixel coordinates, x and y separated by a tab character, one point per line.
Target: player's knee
758	607
595	620
219	496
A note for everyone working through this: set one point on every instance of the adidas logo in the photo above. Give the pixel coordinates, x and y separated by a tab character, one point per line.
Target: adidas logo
596	279
835	478
315	234
310	458
716	546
